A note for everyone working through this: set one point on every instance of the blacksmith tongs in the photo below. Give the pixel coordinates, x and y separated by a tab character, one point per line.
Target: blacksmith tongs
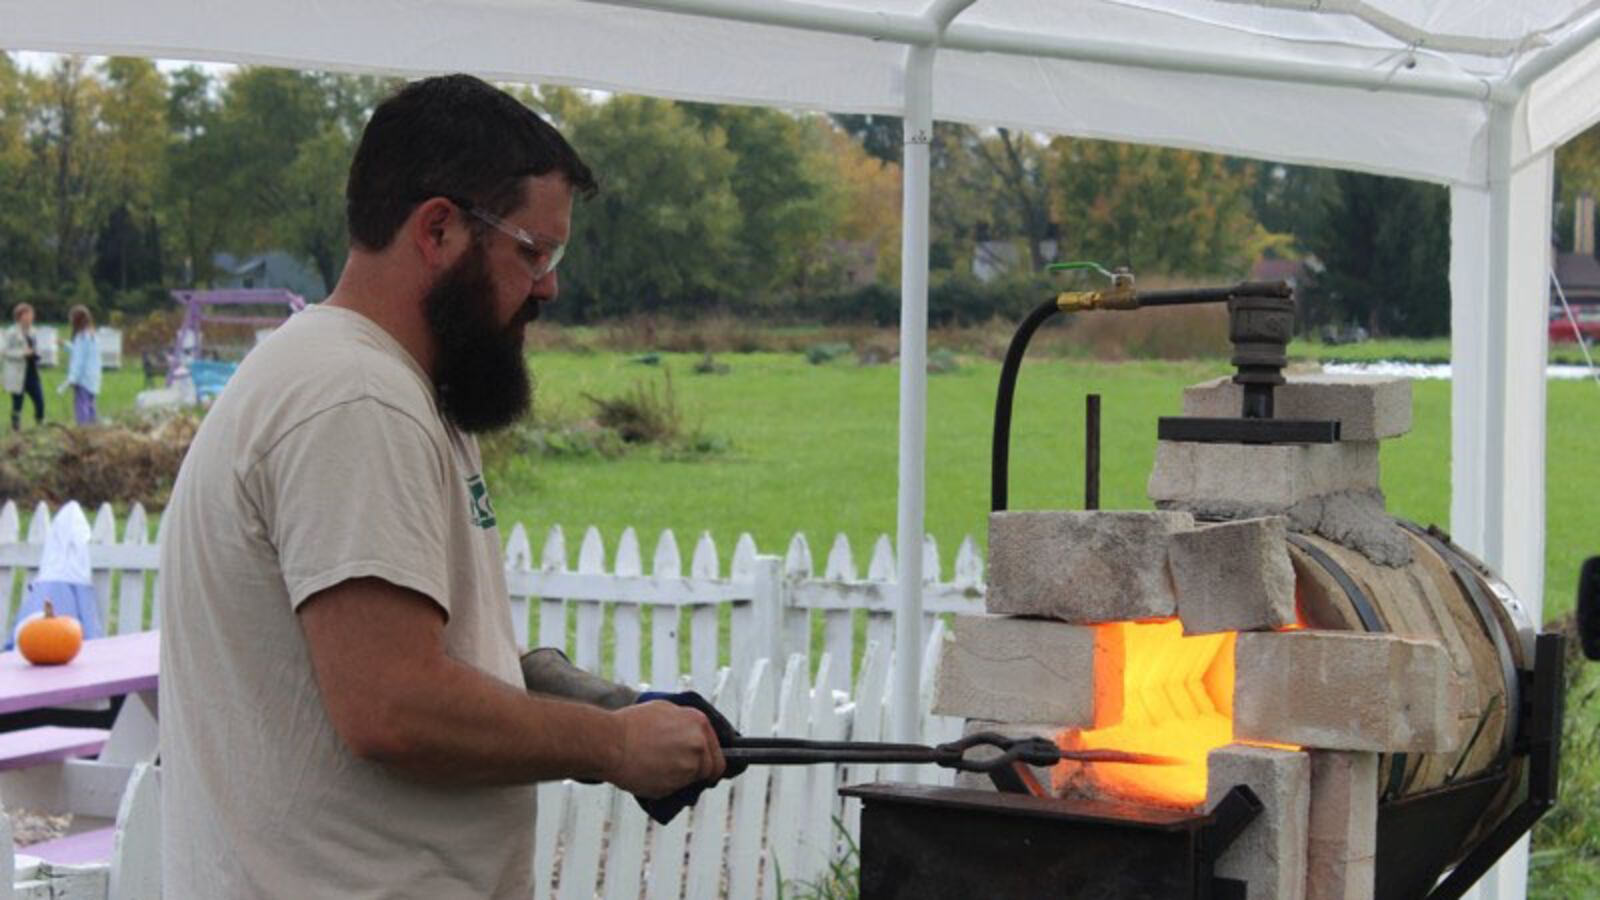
1031	751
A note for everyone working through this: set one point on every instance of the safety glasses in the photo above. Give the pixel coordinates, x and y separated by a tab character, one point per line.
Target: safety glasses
540	254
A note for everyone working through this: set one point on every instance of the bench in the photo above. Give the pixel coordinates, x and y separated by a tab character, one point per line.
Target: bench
80	849
48	743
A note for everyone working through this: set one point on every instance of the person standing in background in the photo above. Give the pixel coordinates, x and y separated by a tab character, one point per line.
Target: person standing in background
83	370
21	372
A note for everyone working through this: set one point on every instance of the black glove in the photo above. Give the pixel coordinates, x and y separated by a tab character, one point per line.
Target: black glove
665	809
547	670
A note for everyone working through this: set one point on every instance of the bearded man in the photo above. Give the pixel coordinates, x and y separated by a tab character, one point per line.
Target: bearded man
343	710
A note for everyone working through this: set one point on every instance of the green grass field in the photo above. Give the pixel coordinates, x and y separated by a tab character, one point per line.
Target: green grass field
1432	350
813	450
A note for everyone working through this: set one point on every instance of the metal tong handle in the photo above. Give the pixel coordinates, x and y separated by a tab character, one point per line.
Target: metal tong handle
953	755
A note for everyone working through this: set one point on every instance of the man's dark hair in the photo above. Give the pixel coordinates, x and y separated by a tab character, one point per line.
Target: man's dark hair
455	136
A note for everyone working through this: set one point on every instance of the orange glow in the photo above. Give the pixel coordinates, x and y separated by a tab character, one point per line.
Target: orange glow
1177	701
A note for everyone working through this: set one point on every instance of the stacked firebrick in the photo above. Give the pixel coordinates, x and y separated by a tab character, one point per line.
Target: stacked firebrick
1214	556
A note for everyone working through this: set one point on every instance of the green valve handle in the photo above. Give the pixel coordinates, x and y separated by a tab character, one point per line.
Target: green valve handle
1079	266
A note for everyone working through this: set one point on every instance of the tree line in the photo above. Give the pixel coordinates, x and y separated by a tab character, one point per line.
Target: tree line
120	181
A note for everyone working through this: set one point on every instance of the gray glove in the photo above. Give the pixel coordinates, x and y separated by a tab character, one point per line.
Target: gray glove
547	670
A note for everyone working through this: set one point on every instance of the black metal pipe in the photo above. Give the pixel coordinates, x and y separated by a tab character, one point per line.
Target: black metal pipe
1191	296
1091	452
1000	451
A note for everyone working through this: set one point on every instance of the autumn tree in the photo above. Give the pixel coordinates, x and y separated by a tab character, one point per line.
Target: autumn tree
133	122
1577	172
194	184
666	220
1384	244
69	165
787	203
21	247
1152	209
870	214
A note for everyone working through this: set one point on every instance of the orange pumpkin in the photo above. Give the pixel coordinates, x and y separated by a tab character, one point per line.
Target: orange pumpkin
50	640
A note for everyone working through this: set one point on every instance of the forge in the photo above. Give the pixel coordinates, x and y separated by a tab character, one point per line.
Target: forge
1349	705
1176	697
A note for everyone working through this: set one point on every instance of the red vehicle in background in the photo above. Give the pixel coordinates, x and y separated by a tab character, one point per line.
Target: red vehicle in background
1588	321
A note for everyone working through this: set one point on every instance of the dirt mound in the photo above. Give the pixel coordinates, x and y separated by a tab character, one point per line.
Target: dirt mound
127	462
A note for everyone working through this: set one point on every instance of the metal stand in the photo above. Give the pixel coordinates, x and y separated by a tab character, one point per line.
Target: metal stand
933	843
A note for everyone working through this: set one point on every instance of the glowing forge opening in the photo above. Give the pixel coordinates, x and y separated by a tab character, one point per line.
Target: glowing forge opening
1175	699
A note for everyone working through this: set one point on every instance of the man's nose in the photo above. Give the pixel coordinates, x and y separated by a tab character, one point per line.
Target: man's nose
545	289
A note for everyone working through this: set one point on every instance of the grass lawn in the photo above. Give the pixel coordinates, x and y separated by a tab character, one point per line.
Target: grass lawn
1431	350
813	450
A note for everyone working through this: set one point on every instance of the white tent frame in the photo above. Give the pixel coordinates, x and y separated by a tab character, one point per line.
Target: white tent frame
1500	230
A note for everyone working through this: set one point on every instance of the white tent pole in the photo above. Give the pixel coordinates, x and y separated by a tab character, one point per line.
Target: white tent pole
910	527
1499	348
1524	78
906	690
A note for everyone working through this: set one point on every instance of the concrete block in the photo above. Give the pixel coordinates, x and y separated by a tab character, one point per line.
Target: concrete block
1367	407
1340	690
979	781
1342	841
1082	567
1235	480
1030	670
1233	577
1270	855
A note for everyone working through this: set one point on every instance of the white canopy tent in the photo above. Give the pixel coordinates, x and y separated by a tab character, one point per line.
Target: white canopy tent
1473	94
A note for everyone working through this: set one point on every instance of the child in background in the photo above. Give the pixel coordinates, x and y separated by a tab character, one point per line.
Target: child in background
83	371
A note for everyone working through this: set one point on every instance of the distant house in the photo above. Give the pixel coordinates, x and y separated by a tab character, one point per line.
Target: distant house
273	269
996	259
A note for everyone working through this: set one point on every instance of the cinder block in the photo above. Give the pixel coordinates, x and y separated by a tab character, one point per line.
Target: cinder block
1082	567
1258	479
1270	855
1030	670
1341	690
1342	841
1233	577
1368	407
979	781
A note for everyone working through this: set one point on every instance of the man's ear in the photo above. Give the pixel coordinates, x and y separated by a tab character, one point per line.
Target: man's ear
436	230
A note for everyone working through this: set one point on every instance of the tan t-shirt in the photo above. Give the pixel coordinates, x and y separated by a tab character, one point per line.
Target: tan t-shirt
325	459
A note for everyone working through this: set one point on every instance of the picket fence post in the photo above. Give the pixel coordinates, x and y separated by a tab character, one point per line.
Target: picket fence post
8	575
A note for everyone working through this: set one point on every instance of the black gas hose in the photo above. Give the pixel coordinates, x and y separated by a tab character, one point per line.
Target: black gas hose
1000	453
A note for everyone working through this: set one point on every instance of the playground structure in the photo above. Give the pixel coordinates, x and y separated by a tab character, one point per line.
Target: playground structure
195	372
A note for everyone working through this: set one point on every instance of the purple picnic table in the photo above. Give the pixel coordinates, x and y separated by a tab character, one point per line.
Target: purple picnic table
105	667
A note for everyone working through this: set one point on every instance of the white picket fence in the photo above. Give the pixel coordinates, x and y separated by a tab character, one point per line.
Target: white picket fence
724	635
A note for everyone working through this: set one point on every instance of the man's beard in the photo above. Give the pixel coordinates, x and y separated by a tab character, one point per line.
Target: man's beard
478	372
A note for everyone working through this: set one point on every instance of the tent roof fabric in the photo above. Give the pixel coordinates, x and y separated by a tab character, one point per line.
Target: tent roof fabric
1401	87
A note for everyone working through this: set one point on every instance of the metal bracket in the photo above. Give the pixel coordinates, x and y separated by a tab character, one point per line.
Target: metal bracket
1196	429
1541	735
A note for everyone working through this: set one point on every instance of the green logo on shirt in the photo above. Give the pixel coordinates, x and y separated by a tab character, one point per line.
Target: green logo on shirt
482	509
